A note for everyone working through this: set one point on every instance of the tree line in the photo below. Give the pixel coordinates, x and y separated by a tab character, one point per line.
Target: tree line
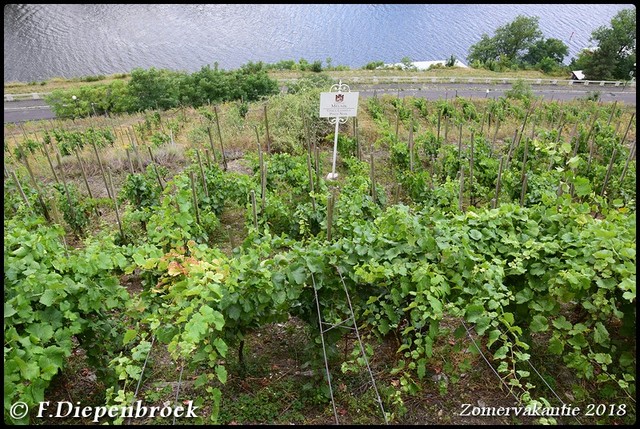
520	45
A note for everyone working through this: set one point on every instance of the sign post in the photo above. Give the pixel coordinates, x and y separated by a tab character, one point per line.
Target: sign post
338	105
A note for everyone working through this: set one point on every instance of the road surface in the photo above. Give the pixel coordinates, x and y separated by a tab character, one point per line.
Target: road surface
27	110
473	90
32	110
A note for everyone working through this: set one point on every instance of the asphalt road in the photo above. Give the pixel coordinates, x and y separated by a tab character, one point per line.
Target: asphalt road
549	92
32	110
27	110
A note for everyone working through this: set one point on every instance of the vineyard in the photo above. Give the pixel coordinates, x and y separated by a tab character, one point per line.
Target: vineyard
488	247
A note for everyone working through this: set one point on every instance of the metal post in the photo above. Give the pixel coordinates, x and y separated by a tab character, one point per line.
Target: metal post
337	120
333	174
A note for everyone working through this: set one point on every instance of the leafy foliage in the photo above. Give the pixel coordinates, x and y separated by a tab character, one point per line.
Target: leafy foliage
519	42
615	55
163	89
53	295
549	276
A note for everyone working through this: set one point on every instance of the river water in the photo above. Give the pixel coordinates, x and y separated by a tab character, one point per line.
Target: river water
42	41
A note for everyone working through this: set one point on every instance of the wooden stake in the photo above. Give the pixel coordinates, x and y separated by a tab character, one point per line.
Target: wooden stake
523	177
355	132
266	124
606	177
560	128
129	160
461	195
207	156
95	149
37	188
431	166
511	148
24	132
446	128
84	174
533	129
484	115
53	170
56	218
204	178
574	151
493	142
397	121
373	180
305	126
460	141
317	162
613	110
115	202
194	196
132	139
617	126
64	184
22	194
524	124
313	200
589	145
471	202
155	168
331	201
411	146
263	176
627	130
255	208
213	149
498	182
524	191
224	157
632	151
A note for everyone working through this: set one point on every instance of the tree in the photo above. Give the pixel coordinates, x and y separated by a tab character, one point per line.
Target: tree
373	65
551	48
547	65
517	37
406	63
510	41
483	51
580	63
328	61
519	42
615	55
154	88
316	66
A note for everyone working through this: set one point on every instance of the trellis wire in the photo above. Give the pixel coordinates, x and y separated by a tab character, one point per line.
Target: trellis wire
326	363
364	355
178	392
144	365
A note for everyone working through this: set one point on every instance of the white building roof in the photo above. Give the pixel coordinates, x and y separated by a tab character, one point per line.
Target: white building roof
424	65
578	74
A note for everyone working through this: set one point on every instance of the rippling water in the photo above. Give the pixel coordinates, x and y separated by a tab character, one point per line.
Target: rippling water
42	41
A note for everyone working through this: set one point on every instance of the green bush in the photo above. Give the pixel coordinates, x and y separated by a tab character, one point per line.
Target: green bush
164	89
373	65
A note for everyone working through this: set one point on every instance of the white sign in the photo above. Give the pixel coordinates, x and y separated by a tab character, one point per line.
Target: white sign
342	104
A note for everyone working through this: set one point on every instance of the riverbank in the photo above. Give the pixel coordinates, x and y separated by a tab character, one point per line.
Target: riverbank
286	75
